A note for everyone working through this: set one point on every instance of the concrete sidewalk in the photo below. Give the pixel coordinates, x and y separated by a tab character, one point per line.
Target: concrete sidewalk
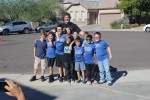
107	28
131	85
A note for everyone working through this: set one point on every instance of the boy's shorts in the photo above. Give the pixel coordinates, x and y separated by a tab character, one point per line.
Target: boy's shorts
50	62
40	62
59	60
79	66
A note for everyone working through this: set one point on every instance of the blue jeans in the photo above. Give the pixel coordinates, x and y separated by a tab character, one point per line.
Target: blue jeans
104	70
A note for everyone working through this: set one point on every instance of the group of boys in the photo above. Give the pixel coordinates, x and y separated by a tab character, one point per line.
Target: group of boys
73	55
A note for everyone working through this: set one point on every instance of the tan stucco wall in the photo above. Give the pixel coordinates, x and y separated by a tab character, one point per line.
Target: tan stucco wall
77	16
66	5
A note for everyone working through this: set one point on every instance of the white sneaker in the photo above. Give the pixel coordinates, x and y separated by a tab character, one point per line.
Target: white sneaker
95	82
89	82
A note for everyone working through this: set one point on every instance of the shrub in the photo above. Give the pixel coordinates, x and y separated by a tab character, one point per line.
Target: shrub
123	21
134	25
126	26
115	25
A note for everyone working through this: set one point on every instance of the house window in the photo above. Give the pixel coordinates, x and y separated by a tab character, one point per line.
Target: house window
72	16
77	16
82	15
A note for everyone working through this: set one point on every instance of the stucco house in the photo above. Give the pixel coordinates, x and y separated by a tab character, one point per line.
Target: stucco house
84	12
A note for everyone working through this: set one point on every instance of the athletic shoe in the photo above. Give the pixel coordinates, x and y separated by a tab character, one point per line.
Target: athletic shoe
33	78
51	79
101	82
60	79
78	81
95	82
42	79
88	82
83	81
110	83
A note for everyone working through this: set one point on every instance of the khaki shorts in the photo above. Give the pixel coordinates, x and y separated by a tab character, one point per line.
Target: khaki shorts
40	62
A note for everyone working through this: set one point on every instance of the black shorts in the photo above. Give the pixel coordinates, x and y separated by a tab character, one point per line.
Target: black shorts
50	62
59	60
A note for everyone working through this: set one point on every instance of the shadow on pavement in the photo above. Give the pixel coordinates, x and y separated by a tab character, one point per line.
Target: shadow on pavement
30	94
116	75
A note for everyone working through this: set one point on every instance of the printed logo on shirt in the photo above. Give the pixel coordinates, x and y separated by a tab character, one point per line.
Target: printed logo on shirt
66	49
87	48
97	45
78	52
62	40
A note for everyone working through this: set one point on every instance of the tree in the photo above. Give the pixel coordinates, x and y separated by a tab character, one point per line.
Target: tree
139	10
32	10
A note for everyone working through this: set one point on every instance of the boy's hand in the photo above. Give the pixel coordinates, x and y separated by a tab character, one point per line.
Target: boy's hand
95	62
56	33
110	57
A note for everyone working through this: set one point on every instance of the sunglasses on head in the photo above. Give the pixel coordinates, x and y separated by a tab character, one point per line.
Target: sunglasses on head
88	39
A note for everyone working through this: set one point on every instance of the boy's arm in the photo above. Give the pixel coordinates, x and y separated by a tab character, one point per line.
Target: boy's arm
34	51
95	61
57	37
109	53
70	46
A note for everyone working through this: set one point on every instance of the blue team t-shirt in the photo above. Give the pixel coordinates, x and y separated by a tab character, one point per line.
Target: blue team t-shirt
101	50
51	50
78	54
41	47
59	44
89	50
84	41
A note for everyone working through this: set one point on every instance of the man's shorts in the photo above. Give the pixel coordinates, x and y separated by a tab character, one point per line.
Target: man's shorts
40	62
50	62
59	60
79	66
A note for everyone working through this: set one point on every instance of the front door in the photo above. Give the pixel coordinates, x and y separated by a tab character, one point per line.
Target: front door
92	18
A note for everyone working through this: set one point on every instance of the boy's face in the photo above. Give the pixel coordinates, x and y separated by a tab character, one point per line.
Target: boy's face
68	39
75	35
85	35
43	37
97	37
59	30
88	40
50	37
77	43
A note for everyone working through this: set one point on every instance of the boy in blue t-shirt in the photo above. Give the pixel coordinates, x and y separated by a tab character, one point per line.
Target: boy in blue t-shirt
84	40
89	54
103	55
79	60
60	39
51	54
40	47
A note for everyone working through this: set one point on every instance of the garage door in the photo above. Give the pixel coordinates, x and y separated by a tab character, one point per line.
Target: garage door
106	19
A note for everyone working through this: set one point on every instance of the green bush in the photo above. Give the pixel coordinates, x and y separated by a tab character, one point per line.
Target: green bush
126	26
115	25
123	21
134	25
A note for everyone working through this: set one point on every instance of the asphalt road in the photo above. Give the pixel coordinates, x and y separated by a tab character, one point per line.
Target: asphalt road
131	51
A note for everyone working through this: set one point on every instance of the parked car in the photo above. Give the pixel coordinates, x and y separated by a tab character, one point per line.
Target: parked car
146	28
15	26
47	27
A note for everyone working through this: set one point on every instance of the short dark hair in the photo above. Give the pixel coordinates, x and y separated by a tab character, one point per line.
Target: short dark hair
43	34
76	32
98	33
60	26
89	36
69	36
78	40
86	33
67	14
